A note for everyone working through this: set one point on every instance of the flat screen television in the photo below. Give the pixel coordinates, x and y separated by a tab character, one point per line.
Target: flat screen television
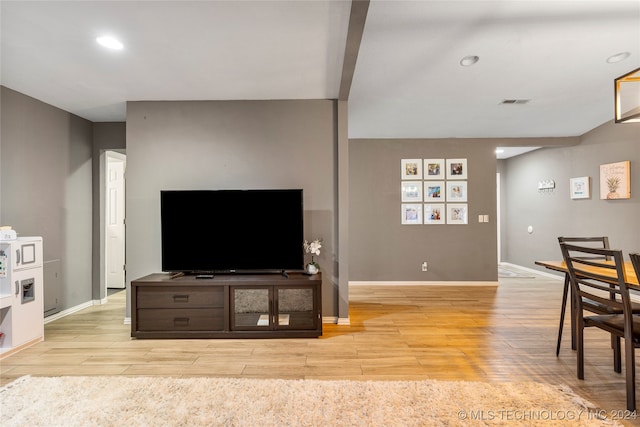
222	231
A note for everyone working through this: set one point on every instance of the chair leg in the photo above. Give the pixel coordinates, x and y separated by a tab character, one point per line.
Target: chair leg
574	313
563	308
630	367
580	348
617	357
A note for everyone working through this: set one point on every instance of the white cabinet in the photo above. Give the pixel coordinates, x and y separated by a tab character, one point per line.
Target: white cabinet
21	294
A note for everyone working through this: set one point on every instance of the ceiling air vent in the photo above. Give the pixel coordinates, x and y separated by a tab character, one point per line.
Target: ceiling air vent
515	101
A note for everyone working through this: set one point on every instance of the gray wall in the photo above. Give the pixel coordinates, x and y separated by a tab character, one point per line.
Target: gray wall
229	145
46	187
556	214
382	249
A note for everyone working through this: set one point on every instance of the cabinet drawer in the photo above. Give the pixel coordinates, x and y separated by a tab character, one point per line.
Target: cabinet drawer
159	297
164	319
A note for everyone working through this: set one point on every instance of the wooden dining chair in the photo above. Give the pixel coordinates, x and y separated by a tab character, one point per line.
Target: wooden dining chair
596	242
635	261
595	280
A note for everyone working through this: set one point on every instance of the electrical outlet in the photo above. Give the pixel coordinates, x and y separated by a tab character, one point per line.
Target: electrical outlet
424	266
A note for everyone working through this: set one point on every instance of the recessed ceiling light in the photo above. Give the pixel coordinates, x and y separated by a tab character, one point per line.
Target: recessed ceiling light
468	61
110	42
618	57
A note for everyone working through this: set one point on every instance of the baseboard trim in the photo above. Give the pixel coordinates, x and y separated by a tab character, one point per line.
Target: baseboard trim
420	283
334	320
63	313
558	276
344	321
20	347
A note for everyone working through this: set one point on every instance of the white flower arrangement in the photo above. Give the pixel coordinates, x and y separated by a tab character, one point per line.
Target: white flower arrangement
312	248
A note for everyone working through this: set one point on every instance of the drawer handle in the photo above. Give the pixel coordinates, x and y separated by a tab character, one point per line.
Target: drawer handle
181	321
181	298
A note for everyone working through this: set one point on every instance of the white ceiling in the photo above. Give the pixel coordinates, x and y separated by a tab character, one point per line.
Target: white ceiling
407	81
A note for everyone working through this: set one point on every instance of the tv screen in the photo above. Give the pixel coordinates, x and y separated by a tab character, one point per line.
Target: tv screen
207	231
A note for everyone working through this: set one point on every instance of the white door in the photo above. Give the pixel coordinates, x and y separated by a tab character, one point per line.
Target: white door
115	223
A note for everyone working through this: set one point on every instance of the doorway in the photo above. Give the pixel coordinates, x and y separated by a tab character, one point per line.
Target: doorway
114	221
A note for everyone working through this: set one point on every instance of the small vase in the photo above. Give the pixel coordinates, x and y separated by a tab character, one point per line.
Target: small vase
312	268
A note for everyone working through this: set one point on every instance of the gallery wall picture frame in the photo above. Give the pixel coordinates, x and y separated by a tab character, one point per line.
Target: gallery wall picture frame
434	213
456	168
457	213
434	191
615	181
411	191
456	191
411	213
411	168
434	169
580	187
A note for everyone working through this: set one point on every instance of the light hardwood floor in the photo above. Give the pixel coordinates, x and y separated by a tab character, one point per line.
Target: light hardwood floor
504	333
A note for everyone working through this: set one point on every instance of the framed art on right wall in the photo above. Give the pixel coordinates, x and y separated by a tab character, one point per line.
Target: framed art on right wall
615	181
580	188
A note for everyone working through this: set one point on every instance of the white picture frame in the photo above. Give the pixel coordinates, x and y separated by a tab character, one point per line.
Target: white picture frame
411	168
411	213
434	169
580	187
457	169
456	191
457	213
411	191
434	213
434	191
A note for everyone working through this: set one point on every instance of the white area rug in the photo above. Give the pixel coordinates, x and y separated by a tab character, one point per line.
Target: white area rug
159	401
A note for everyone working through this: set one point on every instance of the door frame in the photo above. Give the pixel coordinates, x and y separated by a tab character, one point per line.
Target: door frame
104	159
498	217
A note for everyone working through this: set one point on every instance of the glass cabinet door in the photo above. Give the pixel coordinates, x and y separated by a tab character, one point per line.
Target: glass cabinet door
251	308
273	307
295	308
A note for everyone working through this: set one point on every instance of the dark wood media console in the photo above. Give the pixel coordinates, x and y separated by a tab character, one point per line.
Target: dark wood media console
227	306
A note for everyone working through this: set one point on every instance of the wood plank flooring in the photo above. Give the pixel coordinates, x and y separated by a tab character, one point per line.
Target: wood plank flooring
504	333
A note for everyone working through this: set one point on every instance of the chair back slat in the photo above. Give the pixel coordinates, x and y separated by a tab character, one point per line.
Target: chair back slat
635	261
601	242
597	285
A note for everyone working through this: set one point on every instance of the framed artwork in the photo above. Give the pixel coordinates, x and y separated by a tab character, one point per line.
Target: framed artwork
412	213
457	213
411	168
456	168
434	191
456	191
434	213
615	181
433	168
580	188
411	191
